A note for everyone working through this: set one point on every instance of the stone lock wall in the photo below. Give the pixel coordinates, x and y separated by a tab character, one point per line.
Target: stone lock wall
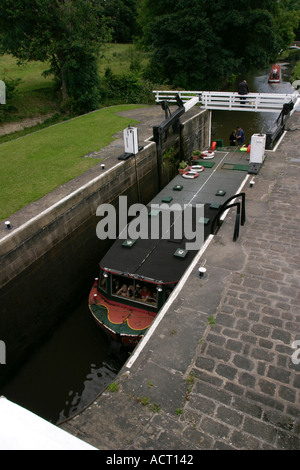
50	262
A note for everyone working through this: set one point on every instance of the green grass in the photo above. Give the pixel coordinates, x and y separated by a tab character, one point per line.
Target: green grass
113	387
30	73
296	72
119	57
36	95
36	164
292	55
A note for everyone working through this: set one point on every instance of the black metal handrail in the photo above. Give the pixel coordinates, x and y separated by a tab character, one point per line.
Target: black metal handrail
240	214
162	129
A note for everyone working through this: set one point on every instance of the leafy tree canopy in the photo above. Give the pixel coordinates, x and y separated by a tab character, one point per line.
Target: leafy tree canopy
197	44
122	18
287	20
65	33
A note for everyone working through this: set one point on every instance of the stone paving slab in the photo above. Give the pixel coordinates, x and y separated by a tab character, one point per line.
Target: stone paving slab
218	372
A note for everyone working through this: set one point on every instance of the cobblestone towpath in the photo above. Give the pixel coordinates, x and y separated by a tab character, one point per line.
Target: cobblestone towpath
221	370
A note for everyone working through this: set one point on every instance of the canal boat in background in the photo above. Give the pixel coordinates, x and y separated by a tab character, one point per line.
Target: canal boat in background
274	76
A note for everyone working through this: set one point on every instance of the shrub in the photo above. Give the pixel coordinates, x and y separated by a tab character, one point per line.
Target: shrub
129	88
11	90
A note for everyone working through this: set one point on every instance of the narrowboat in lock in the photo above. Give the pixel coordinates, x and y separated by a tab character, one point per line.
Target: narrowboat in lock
137	275
136	278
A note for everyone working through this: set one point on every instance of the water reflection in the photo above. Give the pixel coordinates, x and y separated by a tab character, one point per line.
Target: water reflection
93	384
223	122
68	371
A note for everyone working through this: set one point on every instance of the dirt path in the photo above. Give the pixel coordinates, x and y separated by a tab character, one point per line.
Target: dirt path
18	126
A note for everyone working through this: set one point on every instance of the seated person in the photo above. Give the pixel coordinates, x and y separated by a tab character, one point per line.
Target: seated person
137	292
232	138
123	290
115	285
152	298
130	291
145	293
168	292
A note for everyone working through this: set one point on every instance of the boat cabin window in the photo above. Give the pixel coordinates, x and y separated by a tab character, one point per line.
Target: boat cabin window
103	281
134	289
168	290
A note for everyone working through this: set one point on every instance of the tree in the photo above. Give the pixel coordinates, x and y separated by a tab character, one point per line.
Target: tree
287	21
65	33
198	44
122	17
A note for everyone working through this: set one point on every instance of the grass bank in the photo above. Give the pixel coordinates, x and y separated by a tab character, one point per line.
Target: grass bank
37	95
36	164
296	72
121	58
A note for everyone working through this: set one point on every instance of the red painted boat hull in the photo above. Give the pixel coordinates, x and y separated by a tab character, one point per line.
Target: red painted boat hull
274	77
133	321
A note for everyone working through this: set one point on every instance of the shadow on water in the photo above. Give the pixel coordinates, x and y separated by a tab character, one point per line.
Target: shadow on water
223	122
66	374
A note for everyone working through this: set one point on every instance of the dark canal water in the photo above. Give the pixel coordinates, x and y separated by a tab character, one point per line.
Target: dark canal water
75	364
223	122
67	372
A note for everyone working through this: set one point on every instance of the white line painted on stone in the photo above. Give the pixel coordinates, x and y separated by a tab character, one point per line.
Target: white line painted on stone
56	204
175	292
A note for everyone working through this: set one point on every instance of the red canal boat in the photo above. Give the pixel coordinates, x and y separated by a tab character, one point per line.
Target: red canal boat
136	278
274	74
138	275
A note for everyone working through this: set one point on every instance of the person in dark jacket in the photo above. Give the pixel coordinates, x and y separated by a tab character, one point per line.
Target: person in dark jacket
243	89
240	137
232	137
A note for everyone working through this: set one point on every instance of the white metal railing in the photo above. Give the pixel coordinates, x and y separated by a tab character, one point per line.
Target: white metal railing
263	102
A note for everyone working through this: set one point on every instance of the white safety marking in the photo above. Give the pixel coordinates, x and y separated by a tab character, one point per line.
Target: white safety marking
56	204
175	292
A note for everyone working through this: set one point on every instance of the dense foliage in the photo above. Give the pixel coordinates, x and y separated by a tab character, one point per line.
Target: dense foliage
193	44
125	88
198	44
122	19
66	34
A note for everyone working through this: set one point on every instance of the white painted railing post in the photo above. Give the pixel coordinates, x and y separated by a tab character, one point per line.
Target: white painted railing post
255	102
